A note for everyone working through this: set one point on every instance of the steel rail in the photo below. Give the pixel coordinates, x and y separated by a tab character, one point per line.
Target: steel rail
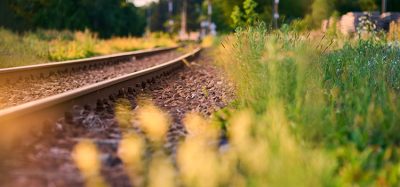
17	121
41	70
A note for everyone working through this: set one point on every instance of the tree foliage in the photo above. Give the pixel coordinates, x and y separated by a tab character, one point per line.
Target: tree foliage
106	17
320	10
160	15
116	17
249	16
237	17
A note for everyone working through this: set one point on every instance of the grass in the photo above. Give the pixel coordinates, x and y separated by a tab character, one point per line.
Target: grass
46	46
18	51
342	100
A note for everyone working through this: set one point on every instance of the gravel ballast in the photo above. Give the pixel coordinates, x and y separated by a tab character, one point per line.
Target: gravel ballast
26	90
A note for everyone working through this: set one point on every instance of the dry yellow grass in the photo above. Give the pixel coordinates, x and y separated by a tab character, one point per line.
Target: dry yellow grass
118	44
46	46
394	31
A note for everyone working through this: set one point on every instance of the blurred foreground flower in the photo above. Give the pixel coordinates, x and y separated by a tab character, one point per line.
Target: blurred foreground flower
198	163
153	122
251	154
161	172
87	159
130	151
123	113
239	132
198	127
197	158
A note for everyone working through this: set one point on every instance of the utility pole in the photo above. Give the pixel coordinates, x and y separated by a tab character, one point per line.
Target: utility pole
209	11
383	6
148	29
275	13
170	11
184	19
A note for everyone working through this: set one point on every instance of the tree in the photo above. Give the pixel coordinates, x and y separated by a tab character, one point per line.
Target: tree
237	17
344	6
160	15
289	10
368	5
321	9
249	17
107	17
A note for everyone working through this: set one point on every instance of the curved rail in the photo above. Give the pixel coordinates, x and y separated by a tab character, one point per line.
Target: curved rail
16	121
41	70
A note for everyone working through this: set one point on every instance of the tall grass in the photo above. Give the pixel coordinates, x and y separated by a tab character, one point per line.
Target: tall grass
343	101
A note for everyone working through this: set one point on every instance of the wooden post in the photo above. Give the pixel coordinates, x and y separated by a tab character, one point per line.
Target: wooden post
148	28
209	12
184	19
170	21
275	15
383	6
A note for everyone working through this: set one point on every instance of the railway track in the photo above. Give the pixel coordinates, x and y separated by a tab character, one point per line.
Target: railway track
46	159
24	84
10	75
19	121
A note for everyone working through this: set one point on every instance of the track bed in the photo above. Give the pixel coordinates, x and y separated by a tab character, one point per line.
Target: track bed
47	161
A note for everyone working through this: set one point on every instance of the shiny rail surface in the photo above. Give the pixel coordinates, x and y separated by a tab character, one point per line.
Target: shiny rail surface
42	70
19	121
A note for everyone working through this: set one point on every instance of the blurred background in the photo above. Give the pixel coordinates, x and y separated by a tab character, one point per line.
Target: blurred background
132	17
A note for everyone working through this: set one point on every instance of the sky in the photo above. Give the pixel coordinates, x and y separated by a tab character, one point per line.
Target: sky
141	2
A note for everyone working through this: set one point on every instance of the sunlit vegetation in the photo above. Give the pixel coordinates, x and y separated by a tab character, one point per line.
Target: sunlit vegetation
118	44
260	150
394	31
341	99
45	46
